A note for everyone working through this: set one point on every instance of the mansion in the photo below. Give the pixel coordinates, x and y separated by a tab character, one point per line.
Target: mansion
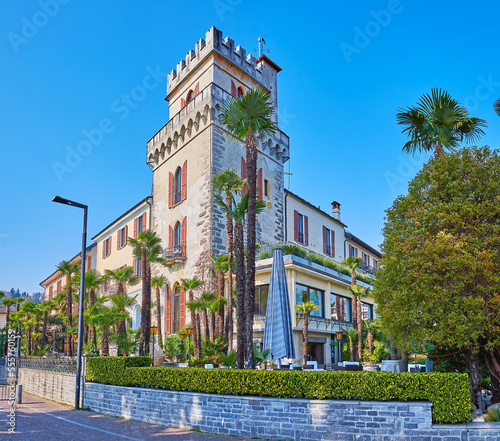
184	155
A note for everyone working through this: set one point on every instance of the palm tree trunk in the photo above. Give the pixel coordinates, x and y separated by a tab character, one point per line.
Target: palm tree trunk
146	304
438	151
354	311
105	342
360	333
158	317
228	330
206	329
28	340
44	327
198	332
36	330
193	323
251	156
8	315
213	326
240	292
305	336
351	349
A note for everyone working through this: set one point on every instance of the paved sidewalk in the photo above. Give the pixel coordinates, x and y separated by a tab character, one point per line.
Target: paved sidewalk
39	419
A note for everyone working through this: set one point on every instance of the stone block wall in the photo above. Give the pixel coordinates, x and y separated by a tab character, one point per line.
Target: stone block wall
50	385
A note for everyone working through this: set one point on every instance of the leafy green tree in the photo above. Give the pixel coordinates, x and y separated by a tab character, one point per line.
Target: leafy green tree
305	309
229	183
438	122
157	283
248	118
439	278
359	292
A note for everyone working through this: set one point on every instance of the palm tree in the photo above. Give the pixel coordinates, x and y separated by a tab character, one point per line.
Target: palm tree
146	248
158	283
93	281
9	303
206	299
27	311
219	268
122	276
352	263
247	118
229	183
45	307
69	269
371	327
104	318
496	106
189	285
121	302
305	309
351	335
359	292
438	122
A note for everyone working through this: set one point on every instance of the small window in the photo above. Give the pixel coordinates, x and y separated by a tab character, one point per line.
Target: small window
178	185
177	235
240	92
177	310
366	311
137	268
122	237
366	259
300	227
140	224
261	293
328	242
340	308
266	188
190	96
107	247
304	294
353	250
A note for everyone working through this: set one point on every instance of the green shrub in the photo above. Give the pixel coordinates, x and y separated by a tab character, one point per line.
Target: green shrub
111	370
448	392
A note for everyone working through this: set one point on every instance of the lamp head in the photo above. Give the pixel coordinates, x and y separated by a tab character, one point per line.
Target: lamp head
154	330
189	331
64	201
339	335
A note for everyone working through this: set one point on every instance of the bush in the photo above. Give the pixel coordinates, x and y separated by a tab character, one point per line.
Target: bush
111	370
449	393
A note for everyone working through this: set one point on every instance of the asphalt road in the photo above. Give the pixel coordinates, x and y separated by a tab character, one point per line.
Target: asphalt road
43	420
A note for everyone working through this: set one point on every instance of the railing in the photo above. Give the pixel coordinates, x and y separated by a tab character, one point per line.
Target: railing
177	251
65	365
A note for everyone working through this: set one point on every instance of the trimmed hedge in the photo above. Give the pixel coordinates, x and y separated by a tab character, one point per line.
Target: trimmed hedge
111	370
448	392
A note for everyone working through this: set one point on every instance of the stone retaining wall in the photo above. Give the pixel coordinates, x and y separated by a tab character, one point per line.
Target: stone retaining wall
51	385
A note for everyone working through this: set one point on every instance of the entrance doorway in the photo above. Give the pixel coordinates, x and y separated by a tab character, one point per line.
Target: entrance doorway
316	352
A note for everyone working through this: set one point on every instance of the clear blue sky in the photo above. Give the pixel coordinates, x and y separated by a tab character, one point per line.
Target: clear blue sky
67	65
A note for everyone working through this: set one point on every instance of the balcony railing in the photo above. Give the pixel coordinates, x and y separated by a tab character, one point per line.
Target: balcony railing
175	254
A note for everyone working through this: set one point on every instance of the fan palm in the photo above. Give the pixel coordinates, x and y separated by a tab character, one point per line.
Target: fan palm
438	122
190	285
121	302
352	263
46	307
496	106
305	309
69	269
371	327
220	267
247	118
147	249
229	183
359	292
206	299
26	312
9	303
158	283
122	276
104	318
93	282
351	334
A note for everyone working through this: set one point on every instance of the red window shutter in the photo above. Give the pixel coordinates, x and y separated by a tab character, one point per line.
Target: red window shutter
243	175
144	222
182	318
368	260
169	310
183	103
126	234
135	228
109	246
184	180
324	240
170	236
134	266
233	88
183	235
295	225
197	89
333	243
103	248
170	190
356	251
118	240
259	184
306	229
89	263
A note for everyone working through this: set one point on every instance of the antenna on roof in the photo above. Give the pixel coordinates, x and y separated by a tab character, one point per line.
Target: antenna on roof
262	42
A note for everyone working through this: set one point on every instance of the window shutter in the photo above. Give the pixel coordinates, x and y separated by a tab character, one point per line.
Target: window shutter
169	310
103	248
126	234
259	184
170	190
243	175
118	240
233	88
197	89
170	236
324	240
332	233
368	260
183	103
182	318
183	236
306	229
134	266
89	263
295	225
356	251
109	246
184	180
135	228
144	222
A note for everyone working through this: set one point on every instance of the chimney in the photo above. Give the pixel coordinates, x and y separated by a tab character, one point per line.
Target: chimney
336	210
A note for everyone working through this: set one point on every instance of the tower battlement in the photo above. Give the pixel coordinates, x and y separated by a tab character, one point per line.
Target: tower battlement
214	41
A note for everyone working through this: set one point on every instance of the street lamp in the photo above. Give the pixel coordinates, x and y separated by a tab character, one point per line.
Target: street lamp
61	200
340	337
154	329
189	333
49	338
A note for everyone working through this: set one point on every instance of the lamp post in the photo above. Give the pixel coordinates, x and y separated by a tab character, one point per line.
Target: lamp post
154	329
340	337
61	200
49	338
189	333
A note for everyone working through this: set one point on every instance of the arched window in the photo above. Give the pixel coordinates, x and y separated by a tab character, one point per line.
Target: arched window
240	92
177	234
178	185
177	310
190	96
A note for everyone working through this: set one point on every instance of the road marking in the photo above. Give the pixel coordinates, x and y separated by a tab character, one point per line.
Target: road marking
83	425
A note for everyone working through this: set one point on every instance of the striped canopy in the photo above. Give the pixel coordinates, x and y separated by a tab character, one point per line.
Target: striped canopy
278	329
